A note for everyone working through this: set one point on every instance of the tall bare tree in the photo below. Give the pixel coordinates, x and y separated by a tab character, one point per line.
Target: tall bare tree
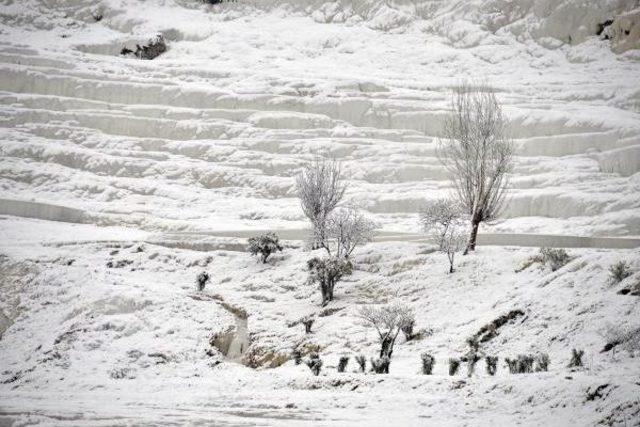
477	153
320	188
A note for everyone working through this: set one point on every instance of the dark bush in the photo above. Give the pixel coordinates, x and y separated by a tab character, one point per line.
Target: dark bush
297	356
314	363
201	280
342	364
428	361
153	49
542	362
308	322
407	330
576	358
454	364
362	362
492	364
380	365
512	364
472	358
264	245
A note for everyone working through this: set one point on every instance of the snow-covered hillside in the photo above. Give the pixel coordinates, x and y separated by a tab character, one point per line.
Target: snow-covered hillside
121	179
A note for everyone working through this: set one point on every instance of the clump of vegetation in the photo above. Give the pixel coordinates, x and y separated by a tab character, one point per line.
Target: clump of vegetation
492	365
428	361
444	220
550	257
490	330
296	354
542	362
326	272
388	321
361	360
314	363
472	358
265	245
454	364
201	280
619	271
576	358
381	365
407	330
342	364
155	47
523	364
308	323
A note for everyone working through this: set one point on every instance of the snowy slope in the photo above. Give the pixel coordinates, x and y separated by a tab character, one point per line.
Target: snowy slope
118	175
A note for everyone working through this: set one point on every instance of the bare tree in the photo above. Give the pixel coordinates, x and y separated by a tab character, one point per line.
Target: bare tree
326	272
477	153
388	321
320	188
347	228
445	221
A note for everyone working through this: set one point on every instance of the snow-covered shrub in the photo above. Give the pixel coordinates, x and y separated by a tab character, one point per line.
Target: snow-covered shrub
512	364
264	245
361	360
314	363
407	330
472	358
428	361
342	364
320	188
576	358
380	365
347	228
542	362
388	321
477	153
201	280
492	364
154	48
326	272
444	221
454	364
554	258
619	271
296	354
525	363
308	322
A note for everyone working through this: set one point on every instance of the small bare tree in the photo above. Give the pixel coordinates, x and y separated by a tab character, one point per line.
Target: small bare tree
320	188
477	153
347	228
388	321
444	220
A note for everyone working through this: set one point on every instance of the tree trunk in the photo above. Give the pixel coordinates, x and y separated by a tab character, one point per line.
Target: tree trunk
386	347
471	246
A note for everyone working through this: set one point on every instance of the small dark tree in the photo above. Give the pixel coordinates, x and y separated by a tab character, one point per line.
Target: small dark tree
342	364
454	364
492	365
314	363
407	330
381	365
576	358
201	280
512	364
264	245
326	272
525	363
362	362
472	358
428	361
388	321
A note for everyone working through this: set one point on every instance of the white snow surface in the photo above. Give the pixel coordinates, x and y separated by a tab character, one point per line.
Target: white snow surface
118	176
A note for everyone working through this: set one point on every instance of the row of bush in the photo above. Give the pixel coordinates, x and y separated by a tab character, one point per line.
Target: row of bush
521	364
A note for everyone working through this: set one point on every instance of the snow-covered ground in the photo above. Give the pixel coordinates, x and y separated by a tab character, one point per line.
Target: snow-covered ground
122	179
